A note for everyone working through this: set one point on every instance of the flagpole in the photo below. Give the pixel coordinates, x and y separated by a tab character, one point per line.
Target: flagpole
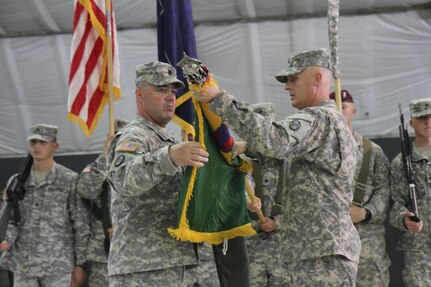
333	18
252	197
109	64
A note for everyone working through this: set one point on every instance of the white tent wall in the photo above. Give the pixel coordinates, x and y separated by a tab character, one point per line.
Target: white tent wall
385	59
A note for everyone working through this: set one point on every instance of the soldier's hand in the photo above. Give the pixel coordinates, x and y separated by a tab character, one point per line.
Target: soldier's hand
107	144
188	153
110	233
357	214
78	276
4	245
254	206
267	225
412	226
208	95
239	148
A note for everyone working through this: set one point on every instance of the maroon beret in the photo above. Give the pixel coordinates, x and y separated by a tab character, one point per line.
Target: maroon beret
345	96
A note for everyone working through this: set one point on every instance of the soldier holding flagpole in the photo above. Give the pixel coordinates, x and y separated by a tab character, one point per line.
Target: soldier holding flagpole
320	245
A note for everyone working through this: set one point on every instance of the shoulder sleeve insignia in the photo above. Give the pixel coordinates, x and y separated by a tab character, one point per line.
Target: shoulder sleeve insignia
295	125
127	147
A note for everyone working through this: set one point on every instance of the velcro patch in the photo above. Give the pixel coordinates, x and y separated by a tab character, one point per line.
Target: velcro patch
128	147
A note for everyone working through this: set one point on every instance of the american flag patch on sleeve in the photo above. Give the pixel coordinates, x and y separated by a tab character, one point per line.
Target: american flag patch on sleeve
128	147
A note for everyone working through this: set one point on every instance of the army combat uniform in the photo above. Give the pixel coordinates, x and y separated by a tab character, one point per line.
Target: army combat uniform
322	154
205	274
416	247
90	186
144	204
51	238
374	261
264	248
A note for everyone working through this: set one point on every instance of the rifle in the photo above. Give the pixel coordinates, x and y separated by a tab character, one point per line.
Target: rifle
103	214
406	152
14	192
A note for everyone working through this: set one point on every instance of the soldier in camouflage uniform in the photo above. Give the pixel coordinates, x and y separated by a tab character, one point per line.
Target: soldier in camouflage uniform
93	186
205	274
145	174
49	244
320	245
371	203
415	242
265	247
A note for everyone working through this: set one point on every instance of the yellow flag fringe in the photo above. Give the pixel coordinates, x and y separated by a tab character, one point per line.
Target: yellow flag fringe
183	232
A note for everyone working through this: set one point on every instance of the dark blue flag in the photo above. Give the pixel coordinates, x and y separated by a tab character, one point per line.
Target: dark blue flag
175	35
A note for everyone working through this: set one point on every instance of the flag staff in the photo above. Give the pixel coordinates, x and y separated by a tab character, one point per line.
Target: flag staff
333	18
109	64
252	197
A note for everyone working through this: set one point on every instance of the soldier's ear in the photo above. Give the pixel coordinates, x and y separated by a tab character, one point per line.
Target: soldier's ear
139	95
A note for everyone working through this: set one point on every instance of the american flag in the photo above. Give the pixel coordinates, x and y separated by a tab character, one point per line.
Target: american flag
88	79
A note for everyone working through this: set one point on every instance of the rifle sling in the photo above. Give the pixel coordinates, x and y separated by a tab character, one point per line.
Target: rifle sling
258	190
360	186
102	213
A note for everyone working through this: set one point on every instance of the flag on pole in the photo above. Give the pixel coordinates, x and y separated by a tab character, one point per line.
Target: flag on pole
333	17
212	205
88	78
175	35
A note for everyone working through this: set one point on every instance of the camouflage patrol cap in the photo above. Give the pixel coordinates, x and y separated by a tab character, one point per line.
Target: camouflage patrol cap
43	132
158	74
298	62
265	109
421	107
346	97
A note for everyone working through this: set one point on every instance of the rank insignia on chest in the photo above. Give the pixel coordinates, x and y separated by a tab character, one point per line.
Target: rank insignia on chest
294	125
127	147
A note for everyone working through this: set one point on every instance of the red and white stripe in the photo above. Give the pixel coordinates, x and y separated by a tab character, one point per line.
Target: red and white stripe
88	89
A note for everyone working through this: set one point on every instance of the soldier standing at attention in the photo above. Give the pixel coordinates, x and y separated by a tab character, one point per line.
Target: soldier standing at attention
93	186
320	245
49	244
415	242
265	247
371	201
145	175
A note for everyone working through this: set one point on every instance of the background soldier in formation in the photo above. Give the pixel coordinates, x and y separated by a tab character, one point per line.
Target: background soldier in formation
49	244
415	242
264	248
370	205
320	245
92	185
145	176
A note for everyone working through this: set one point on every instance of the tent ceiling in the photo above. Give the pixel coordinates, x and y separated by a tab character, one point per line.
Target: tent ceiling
41	17
384	50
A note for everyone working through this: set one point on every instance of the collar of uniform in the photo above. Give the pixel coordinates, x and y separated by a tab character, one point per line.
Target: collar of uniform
162	132
50	177
417	155
328	103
